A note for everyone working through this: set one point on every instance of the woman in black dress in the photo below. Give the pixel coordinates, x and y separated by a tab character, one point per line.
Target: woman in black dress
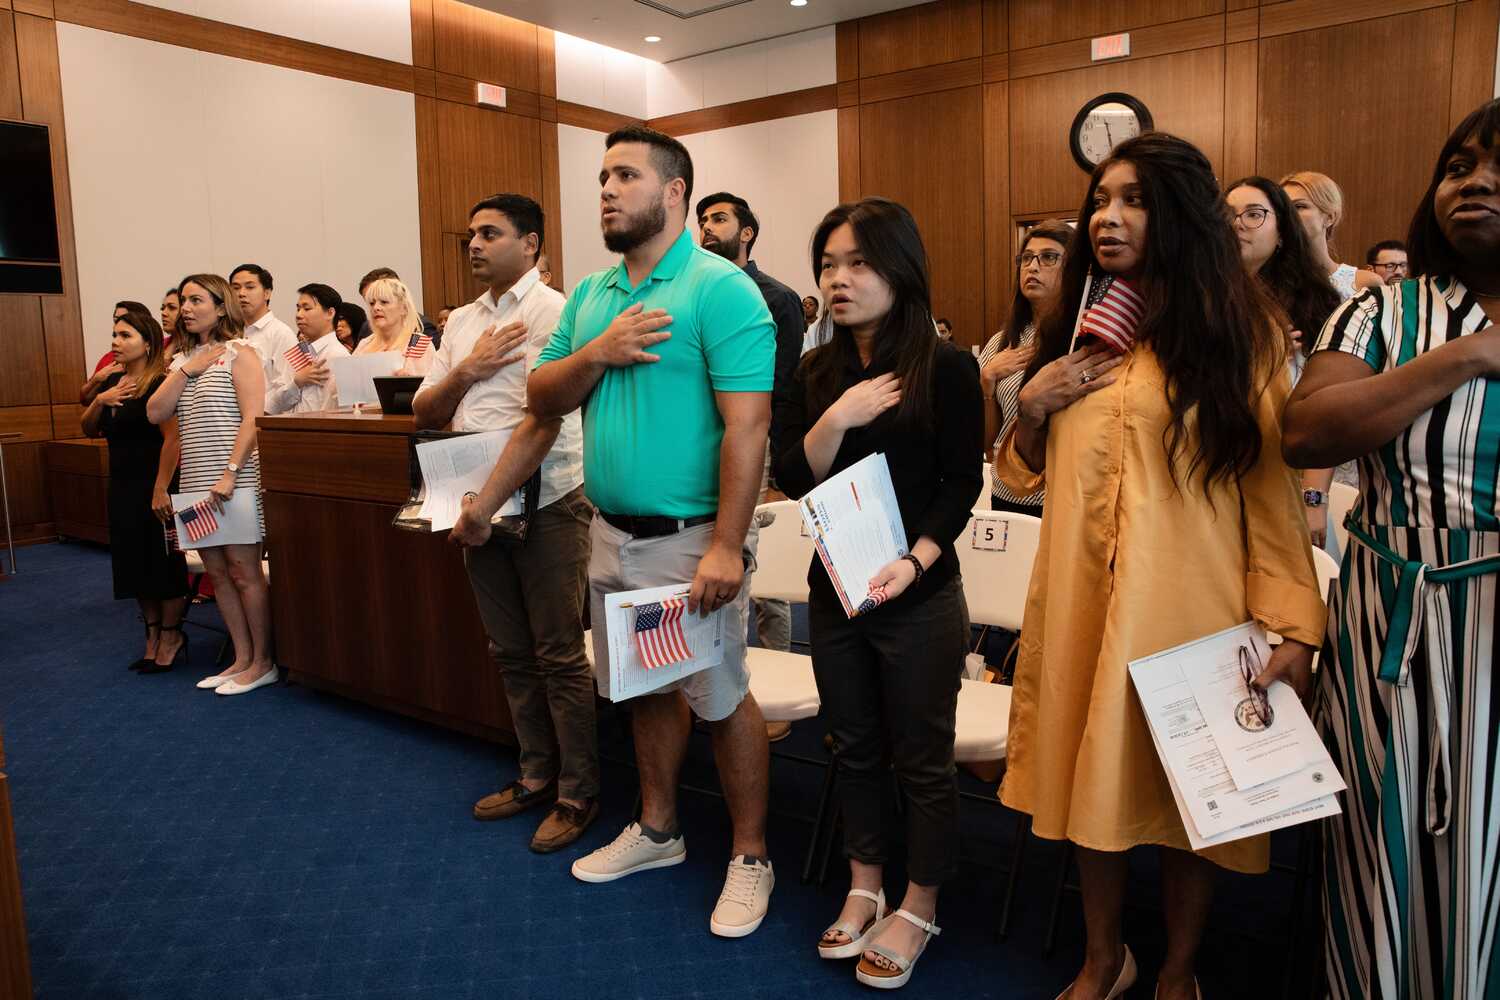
142	470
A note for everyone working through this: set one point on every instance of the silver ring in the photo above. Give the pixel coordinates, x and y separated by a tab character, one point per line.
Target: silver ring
1085	378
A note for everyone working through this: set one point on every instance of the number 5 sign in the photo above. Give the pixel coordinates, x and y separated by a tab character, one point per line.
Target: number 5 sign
990	533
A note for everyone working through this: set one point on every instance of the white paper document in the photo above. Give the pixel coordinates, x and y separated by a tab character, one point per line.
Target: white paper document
355	375
454	466
235	524
856	527
1202	768
632	617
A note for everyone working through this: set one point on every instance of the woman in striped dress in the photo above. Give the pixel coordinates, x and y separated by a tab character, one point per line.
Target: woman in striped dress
216	390
1404	378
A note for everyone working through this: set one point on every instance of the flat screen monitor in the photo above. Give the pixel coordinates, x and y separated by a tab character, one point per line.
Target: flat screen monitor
30	260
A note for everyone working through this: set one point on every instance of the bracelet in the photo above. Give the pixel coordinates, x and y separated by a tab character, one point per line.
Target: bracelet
917	563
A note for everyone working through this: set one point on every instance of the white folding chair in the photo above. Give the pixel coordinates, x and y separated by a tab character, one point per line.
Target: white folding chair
782	682
1341	499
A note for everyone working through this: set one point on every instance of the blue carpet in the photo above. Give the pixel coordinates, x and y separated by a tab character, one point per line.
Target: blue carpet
287	844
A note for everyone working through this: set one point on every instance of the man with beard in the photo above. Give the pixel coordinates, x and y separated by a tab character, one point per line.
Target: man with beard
530	594
671	354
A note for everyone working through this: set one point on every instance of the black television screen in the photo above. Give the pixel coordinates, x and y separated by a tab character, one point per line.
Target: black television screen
29	256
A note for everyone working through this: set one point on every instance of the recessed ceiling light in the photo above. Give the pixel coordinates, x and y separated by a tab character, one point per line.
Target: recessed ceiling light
799	3
653	38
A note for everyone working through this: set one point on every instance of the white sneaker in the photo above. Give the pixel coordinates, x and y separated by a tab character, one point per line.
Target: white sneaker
632	851
746	896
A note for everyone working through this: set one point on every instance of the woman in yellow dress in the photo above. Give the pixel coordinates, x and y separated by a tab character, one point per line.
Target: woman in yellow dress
1170	516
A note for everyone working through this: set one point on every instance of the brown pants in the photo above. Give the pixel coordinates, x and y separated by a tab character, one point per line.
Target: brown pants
531	598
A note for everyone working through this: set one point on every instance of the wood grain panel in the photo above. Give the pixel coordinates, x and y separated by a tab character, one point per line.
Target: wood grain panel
997	224
1242	25
848	93
583	116
995	25
461	90
1179	36
422	52
79	457
848	154
1343	65
1241	101
1242	4
41	8
940	190
546	62
482	45
34	423
67	420
26	476
10	73
23	376
484	152
997	67
1044	22
552	202
760	109
1305	15
846	50
923	80
924	35
429	195
80	505
372	467
1474	35
1185	92
15	961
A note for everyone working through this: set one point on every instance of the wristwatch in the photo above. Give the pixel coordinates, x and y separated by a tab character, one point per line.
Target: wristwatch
1314	498
233	468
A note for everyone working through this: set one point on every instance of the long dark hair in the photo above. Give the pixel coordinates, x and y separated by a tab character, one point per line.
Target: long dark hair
906	341
1021	313
1205	320
1427	249
149	330
1291	276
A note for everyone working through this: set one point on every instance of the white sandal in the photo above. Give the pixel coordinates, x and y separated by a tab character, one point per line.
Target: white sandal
884	979
857	939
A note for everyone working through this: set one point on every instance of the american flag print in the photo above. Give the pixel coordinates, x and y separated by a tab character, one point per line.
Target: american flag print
301	356
417	346
1111	311
658	633
199	521
873	600
171	535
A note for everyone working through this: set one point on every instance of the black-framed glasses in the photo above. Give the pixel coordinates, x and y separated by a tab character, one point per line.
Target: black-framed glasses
1260	701
1390	268
1252	218
1046	258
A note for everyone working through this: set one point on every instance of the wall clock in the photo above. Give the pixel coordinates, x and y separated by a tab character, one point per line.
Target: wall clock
1103	123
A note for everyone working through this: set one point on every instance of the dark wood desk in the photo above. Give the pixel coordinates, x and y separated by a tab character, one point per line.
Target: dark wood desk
360	608
15	964
78	482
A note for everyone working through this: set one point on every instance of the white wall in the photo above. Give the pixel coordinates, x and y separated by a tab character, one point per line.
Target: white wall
184	161
601	77
773	66
374	27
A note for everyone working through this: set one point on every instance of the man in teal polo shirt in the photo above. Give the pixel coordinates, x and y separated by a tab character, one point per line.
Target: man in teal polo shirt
671	354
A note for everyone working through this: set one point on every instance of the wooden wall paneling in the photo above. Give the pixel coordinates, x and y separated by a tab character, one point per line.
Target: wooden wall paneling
995	23
924	35
10	72
67	420
26	476
849	186
1241	101
997	228
930	158
483	152
1161	39
460	90
4	4
1474	34
583	116
1306	15
1344	65
997	67
422	51
1242	4
1242	25
1044	22
41	8
23	376
482	45
546	62
1184	91
846	50
33	423
429	198
759	109
552	201
922	80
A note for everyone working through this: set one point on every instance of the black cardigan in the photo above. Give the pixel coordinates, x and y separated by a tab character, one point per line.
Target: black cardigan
936	470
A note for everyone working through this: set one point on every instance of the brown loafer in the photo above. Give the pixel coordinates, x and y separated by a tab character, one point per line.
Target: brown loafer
513	798
777	731
563	825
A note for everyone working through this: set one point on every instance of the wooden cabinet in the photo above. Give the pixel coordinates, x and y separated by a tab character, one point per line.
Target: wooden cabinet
78	481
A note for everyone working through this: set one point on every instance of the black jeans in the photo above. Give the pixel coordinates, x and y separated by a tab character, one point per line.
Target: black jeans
889	684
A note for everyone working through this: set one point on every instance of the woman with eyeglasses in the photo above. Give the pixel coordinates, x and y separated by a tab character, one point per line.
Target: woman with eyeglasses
1170	516
1004	358
1406	379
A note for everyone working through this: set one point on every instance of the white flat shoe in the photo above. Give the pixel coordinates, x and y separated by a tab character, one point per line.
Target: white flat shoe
883	979
235	687
209	683
1123	981
857	940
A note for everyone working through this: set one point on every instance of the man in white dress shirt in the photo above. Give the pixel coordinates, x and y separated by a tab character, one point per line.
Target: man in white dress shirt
270	337
531	594
317	308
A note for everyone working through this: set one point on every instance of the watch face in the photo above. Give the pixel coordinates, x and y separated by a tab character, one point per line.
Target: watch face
1105	127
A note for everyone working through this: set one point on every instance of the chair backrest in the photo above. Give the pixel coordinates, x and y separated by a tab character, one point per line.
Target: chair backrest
1341	499
995	554
1328	571
782	555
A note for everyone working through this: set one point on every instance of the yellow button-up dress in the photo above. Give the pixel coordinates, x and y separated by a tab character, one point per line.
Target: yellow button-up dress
1130	565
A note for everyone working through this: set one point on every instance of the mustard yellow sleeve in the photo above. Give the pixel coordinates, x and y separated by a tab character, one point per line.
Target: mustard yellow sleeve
1281	587
1012	469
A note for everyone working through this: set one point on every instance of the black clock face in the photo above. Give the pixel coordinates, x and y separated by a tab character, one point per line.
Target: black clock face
1104	123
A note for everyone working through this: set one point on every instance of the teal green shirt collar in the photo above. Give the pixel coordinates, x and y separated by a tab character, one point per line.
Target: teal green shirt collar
665	270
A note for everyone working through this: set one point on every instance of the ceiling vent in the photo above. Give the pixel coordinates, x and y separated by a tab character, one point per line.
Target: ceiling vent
690	8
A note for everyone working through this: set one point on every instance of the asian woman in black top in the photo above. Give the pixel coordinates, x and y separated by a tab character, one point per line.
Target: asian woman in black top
142	468
889	677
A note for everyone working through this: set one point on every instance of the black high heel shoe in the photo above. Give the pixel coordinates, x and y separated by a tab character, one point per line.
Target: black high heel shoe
144	661
152	667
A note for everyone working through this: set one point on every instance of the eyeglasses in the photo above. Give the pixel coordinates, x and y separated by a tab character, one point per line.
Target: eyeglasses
1390	268
1253	217
1047	258
1259	701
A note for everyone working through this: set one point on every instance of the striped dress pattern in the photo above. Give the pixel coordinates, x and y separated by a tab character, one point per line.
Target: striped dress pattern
208	418
1407	701
1008	398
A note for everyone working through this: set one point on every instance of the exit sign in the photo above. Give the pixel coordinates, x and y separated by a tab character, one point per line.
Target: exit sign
489	95
1109	46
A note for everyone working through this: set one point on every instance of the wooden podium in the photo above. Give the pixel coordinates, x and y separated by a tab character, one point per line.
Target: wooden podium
360	608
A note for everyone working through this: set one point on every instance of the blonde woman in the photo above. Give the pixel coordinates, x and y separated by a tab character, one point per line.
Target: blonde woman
142	463
216	390
396	325
1320	206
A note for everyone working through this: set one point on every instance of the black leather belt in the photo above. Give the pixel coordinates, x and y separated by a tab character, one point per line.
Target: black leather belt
651	526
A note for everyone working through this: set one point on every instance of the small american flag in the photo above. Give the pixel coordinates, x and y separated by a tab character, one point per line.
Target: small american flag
1112	309
658	633
301	356
876	598
417	346
199	521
